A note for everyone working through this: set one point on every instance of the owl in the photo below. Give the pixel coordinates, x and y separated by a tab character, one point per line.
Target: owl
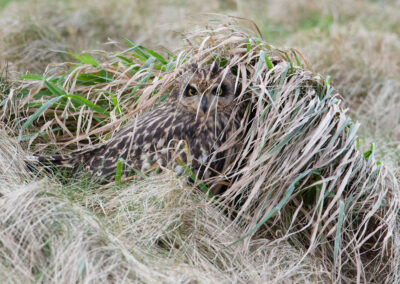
189	126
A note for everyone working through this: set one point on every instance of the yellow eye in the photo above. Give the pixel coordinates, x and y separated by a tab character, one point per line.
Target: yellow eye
218	92
192	92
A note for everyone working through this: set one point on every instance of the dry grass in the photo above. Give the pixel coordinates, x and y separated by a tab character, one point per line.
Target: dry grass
156	230
32	32
356	43
331	200
327	199
372	65
299	179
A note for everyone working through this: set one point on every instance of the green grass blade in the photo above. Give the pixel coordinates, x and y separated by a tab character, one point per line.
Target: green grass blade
92	79
125	61
37	113
338	232
82	101
192	175
118	172
260	61
128	42
139	50
297	58
139	173
85	59
156	55
42	133
54	89
149	61
268	62
31	77
113	99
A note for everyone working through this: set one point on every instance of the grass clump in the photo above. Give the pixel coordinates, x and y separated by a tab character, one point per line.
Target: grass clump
300	171
297	177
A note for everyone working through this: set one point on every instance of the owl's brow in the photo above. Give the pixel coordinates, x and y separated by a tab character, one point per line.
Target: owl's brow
192	85
189	84
219	85
214	85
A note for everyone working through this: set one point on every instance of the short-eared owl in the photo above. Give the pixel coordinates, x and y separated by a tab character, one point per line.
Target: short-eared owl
198	112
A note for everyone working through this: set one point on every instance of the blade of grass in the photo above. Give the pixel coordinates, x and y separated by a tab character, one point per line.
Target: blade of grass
79	100
31	77
37	113
113	99
338	232
156	55
139	173
54	89
118	172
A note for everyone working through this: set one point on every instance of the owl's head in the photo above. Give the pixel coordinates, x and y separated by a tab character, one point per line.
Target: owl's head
204	90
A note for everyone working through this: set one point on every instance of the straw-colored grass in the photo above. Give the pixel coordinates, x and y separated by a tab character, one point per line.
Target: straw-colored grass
298	176
156	230
305	203
370	83
32	32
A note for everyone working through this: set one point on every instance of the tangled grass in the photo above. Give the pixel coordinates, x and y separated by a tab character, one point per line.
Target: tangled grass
298	177
155	230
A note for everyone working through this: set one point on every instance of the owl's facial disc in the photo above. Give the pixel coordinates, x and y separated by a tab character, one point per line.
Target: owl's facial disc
206	98
205	91
207	101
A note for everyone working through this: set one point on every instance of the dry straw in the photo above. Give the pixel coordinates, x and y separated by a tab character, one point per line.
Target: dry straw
156	230
297	175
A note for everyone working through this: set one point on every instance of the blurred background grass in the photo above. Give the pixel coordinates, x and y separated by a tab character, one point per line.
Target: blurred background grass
355	42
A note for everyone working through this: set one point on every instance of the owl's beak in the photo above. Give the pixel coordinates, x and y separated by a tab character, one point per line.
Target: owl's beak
204	105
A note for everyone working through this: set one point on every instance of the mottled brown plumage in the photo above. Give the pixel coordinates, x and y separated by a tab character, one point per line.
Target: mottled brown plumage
197	114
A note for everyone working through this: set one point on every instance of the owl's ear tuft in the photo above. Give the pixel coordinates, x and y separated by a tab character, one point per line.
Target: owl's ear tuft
214	67
194	67
179	74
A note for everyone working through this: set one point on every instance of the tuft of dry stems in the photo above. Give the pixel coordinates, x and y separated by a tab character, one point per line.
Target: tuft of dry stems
156	230
369	83
298	176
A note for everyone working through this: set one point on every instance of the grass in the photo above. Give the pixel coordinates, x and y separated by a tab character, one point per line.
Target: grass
309	200
153	230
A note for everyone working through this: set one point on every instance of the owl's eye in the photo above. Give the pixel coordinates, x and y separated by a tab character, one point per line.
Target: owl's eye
190	91
218	92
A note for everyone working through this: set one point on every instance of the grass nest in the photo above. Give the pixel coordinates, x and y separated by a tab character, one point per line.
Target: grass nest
297	175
